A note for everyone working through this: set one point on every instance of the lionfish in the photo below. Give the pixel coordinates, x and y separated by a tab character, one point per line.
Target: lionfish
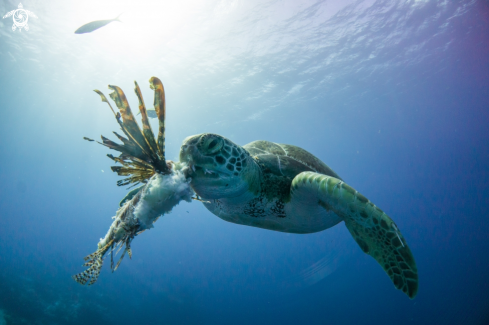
141	157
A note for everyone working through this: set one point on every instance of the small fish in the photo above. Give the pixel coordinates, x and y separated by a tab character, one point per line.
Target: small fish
91	26
88	139
150	112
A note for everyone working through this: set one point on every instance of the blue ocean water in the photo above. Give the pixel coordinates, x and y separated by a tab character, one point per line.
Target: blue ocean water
393	95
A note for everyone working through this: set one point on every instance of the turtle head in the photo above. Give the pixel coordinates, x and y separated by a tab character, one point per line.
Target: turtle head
218	167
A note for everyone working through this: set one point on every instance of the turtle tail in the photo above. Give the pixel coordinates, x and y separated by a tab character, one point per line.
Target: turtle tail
141	156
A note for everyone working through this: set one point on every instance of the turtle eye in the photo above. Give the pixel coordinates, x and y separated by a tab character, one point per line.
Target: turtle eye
212	145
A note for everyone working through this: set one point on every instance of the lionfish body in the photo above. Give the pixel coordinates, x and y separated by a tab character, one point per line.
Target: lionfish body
143	161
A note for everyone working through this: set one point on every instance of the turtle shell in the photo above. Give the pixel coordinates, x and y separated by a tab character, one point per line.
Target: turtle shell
286	160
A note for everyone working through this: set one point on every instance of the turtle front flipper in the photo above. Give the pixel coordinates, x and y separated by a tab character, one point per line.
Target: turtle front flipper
130	195
375	233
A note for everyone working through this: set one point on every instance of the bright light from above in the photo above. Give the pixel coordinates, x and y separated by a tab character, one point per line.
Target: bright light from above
145	24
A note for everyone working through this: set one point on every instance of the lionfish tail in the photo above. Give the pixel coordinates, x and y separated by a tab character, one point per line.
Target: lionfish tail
121	233
94	262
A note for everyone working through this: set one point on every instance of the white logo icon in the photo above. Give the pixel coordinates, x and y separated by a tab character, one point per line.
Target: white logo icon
20	17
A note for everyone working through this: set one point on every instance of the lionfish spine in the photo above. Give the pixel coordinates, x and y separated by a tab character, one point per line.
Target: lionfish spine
128	120
147	130
160	108
141	155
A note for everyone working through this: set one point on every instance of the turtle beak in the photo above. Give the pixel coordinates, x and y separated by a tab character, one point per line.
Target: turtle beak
186	154
186	157
190	170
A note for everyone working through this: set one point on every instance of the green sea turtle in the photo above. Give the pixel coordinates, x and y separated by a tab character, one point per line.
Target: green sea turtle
285	188
273	186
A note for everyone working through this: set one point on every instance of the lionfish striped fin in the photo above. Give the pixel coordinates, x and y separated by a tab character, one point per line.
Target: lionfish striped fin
124	149
130	124
141	155
126	141
130	148
147	131
104	99
133	152
160	108
138	170
120	260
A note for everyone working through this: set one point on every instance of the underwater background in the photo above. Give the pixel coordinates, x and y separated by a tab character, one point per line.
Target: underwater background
392	95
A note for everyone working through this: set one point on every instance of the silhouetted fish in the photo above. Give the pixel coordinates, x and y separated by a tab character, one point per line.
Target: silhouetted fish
151	113
91	26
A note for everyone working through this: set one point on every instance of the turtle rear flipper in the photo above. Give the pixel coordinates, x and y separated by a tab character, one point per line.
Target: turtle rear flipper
375	233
